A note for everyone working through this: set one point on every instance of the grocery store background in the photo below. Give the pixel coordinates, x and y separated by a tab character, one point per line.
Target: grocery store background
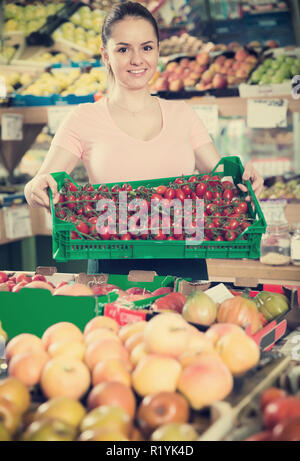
50	61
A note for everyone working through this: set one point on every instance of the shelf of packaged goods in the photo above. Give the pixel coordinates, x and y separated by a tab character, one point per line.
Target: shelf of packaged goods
228	107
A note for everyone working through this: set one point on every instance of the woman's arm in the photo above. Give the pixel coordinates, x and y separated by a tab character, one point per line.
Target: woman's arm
57	159
207	157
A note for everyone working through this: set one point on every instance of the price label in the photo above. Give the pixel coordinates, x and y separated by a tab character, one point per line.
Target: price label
56	115
210	117
12	127
267	113
17	222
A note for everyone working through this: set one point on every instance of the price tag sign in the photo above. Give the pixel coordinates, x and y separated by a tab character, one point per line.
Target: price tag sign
267	113
12	127
210	117
17	222
56	115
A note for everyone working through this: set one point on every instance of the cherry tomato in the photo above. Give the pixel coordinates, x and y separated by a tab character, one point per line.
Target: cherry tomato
227	194
234	224
193	179
88	187
160	235
201	189
180	194
245	225
93	220
217	222
126	236
72	187
116	188
219	238
208	195
169	194
227	184
186	189
74	235
161	190
230	235
89	209
242	206
156	198
82	227
211	208
104	232
179	181
103	188
205	177
127	187
72	200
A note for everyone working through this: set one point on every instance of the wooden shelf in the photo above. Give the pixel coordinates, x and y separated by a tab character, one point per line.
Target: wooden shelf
228	107
251	272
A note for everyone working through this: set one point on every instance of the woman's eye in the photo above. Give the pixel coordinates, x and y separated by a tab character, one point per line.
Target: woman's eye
148	48
122	50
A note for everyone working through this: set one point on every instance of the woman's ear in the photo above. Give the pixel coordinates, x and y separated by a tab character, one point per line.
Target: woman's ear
104	56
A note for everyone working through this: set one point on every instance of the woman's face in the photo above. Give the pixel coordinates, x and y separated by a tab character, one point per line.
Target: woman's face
132	52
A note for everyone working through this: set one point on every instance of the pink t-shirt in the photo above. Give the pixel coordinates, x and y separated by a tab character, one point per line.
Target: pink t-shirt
111	155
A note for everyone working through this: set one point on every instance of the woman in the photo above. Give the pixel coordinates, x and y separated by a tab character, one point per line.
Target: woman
129	134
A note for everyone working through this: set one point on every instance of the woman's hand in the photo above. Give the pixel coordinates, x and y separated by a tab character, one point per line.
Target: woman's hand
36	191
255	179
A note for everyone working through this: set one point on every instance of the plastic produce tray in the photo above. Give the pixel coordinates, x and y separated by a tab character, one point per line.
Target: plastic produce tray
65	249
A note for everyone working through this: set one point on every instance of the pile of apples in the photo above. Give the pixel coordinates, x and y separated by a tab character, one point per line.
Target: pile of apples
224	72
142	381
184	73
77	35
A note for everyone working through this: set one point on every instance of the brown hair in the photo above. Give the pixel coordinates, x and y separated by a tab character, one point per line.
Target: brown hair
122	10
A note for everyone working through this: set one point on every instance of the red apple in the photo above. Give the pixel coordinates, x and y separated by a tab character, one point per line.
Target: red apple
219	81
203	58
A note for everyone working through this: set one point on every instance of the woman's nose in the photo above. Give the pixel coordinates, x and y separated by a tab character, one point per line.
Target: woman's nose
136	57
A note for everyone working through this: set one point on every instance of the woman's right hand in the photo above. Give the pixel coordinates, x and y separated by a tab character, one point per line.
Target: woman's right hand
36	191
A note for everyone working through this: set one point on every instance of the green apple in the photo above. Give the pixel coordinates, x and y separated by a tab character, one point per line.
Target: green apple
107	417
49	431
4	433
181	432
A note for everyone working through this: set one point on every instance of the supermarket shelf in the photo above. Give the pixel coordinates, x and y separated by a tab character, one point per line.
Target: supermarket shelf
228	107
251	273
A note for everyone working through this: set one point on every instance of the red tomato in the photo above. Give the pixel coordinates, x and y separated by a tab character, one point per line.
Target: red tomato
126	236
219	238
88	187
160	235
234	224
205	177
74	235
186	189
281	409
127	187
72	202
201	189
230	235
208	195
193	179
93	220
242	207
179	181
72	187
161	190
103	188
116	188
82	227
227	194
104	232
89	209
180	194
227	184
169	194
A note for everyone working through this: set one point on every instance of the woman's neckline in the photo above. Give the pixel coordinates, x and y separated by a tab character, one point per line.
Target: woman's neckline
132	137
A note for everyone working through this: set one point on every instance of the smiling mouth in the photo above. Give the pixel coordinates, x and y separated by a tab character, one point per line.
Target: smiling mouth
137	72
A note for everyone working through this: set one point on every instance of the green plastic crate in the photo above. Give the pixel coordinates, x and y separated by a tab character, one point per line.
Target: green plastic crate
65	249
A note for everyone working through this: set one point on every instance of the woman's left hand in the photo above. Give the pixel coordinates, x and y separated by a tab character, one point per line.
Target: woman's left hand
255	179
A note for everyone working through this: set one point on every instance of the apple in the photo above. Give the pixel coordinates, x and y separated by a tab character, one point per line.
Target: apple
161	408
175	84
137	291
203	58
15	391
112	393
23	278
287	430
101	289
241	54
166	333
65	376
207	76
5	435
65	409
49	431
219	81
39	277
10	415
109	418
172	432
155	373
102	435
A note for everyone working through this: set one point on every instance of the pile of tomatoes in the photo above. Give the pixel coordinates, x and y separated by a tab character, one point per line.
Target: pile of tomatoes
226	214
